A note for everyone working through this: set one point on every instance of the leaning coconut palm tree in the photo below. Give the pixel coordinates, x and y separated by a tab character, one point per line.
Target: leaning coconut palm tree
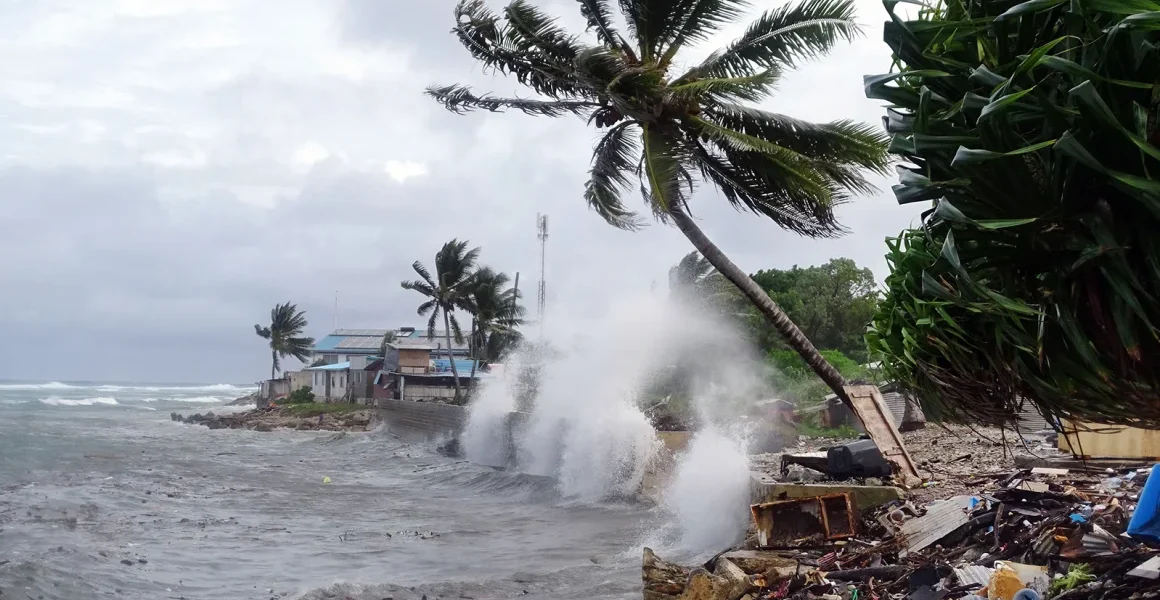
449	290
285	335
673	130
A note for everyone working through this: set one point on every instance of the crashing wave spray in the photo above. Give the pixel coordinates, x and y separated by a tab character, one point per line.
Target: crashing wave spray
586	427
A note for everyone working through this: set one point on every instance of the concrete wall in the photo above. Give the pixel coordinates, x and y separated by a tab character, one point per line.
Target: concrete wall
422	421
299	379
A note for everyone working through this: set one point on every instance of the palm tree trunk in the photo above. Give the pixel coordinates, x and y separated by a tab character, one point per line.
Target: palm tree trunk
772	312
474	352
450	356
273	364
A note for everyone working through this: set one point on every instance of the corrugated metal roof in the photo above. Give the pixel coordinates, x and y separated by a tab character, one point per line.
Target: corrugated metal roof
368	341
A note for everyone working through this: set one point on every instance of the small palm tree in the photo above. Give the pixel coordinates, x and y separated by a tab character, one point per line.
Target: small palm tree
285	335
673	130
497	315
448	290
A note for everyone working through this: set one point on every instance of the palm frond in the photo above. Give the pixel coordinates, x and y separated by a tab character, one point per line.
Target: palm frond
750	180
844	142
263	332
431	323
426	306
716	90
460	99
456	331
419	286
783	37
661	159
599	17
501	48
698	20
424	273
611	161
533	30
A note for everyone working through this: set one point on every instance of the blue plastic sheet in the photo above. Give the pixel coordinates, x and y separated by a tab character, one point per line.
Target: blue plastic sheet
1145	523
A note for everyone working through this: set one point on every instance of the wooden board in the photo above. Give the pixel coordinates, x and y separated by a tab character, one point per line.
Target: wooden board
870	407
1109	441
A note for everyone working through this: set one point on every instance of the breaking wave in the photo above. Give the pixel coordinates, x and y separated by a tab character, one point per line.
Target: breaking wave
56	401
52	385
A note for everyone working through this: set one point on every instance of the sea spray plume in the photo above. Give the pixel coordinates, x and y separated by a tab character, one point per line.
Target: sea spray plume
585	425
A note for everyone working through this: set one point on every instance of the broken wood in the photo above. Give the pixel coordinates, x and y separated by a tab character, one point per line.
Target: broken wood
870	407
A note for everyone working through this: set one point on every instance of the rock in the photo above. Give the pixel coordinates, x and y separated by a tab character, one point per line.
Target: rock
126	562
738	581
756	562
703	585
662	580
263	427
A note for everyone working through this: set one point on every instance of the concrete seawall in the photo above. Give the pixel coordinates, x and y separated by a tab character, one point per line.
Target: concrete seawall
422	421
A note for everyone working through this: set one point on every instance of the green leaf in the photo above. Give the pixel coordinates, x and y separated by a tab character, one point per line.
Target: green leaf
970	156
1087	95
1004	223
1002	103
1072	68
1029	6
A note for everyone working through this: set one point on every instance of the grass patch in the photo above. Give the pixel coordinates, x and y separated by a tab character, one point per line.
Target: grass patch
315	409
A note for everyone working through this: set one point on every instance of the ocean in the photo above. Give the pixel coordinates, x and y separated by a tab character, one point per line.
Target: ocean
102	495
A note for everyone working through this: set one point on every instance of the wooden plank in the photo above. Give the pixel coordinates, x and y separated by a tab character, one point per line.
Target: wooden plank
1109	441
870	407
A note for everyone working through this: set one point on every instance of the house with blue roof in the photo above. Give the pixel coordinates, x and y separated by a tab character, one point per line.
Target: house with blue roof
343	344
352	366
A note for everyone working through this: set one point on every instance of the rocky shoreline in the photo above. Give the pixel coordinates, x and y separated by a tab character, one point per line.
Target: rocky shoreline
297	417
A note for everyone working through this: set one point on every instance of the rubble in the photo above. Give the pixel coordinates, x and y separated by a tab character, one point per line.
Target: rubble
1041	533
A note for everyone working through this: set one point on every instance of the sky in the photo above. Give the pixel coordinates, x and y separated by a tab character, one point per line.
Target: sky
171	170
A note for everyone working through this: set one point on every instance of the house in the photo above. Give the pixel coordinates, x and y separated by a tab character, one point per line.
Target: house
408	372
347	381
343	344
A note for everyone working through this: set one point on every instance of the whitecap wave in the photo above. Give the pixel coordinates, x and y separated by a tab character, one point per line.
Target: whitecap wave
57	401
216	387
52	385
198	399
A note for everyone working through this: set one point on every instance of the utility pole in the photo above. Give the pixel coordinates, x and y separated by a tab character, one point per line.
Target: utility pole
336	310
542	292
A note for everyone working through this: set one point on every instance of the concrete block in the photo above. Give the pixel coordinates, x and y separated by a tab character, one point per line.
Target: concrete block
865	496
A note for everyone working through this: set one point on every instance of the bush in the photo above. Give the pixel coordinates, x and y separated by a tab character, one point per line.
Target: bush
796	382
302	395
1032	129
313	410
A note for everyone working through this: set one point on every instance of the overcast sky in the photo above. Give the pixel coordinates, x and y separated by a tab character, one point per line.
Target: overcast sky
169	170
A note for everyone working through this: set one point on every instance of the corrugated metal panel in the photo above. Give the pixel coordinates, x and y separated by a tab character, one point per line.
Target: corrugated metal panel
896	402
1030	419
342	366
329	342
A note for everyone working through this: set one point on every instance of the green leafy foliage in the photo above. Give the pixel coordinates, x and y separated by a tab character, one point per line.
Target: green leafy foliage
794	381
302	395
315	409
1032	129
833	304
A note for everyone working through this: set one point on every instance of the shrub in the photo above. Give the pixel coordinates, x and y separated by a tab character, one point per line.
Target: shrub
302	395
1033	129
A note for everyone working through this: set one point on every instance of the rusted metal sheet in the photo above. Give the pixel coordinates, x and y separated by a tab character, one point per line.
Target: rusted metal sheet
871	409
804	522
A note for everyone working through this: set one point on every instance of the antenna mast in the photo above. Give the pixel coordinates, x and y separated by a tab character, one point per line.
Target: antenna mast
542	292
336	310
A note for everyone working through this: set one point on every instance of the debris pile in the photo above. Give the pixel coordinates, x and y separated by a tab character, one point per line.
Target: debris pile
1030	534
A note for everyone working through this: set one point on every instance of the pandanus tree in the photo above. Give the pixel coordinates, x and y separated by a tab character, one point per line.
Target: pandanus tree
1032	130
671	131
448	290
285	335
